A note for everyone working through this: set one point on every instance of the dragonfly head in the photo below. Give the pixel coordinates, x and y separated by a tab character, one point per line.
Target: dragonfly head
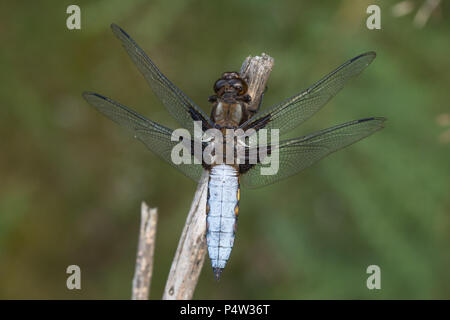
230	84
230	100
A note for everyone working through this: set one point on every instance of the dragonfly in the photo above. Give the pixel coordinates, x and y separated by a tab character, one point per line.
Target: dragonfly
231	110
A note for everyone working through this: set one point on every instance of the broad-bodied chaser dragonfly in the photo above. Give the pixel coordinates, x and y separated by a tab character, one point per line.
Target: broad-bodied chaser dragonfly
230	110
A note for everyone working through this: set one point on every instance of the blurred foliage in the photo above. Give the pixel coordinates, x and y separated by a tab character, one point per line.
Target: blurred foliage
72	181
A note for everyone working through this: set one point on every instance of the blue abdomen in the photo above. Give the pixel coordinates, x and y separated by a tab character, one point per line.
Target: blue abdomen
222	211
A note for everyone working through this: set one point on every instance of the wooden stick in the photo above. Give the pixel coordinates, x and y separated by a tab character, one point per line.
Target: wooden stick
256	70
190	255
146	247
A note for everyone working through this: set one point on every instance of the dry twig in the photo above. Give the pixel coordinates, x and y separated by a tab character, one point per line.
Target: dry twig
146	247
190	255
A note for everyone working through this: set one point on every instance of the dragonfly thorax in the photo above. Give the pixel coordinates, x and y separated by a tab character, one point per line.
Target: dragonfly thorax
230	102
228	114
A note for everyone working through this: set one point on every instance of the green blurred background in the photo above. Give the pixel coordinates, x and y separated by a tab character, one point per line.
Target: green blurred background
71	181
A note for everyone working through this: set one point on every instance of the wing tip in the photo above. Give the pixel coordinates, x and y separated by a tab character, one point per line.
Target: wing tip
380	119
115	27
378	122
87	94
371	54
118	31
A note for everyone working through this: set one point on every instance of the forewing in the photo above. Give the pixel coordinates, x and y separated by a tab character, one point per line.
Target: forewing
180	106
300	153
293	111
156	137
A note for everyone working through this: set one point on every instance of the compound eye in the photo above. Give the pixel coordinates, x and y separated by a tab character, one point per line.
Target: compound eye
240	86
219	85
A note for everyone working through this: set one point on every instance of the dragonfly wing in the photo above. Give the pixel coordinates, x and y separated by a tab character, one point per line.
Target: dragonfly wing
298	108
156	137
297	154
179	105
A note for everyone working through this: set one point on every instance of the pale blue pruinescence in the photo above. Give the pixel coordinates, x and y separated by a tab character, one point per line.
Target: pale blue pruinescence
223	189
